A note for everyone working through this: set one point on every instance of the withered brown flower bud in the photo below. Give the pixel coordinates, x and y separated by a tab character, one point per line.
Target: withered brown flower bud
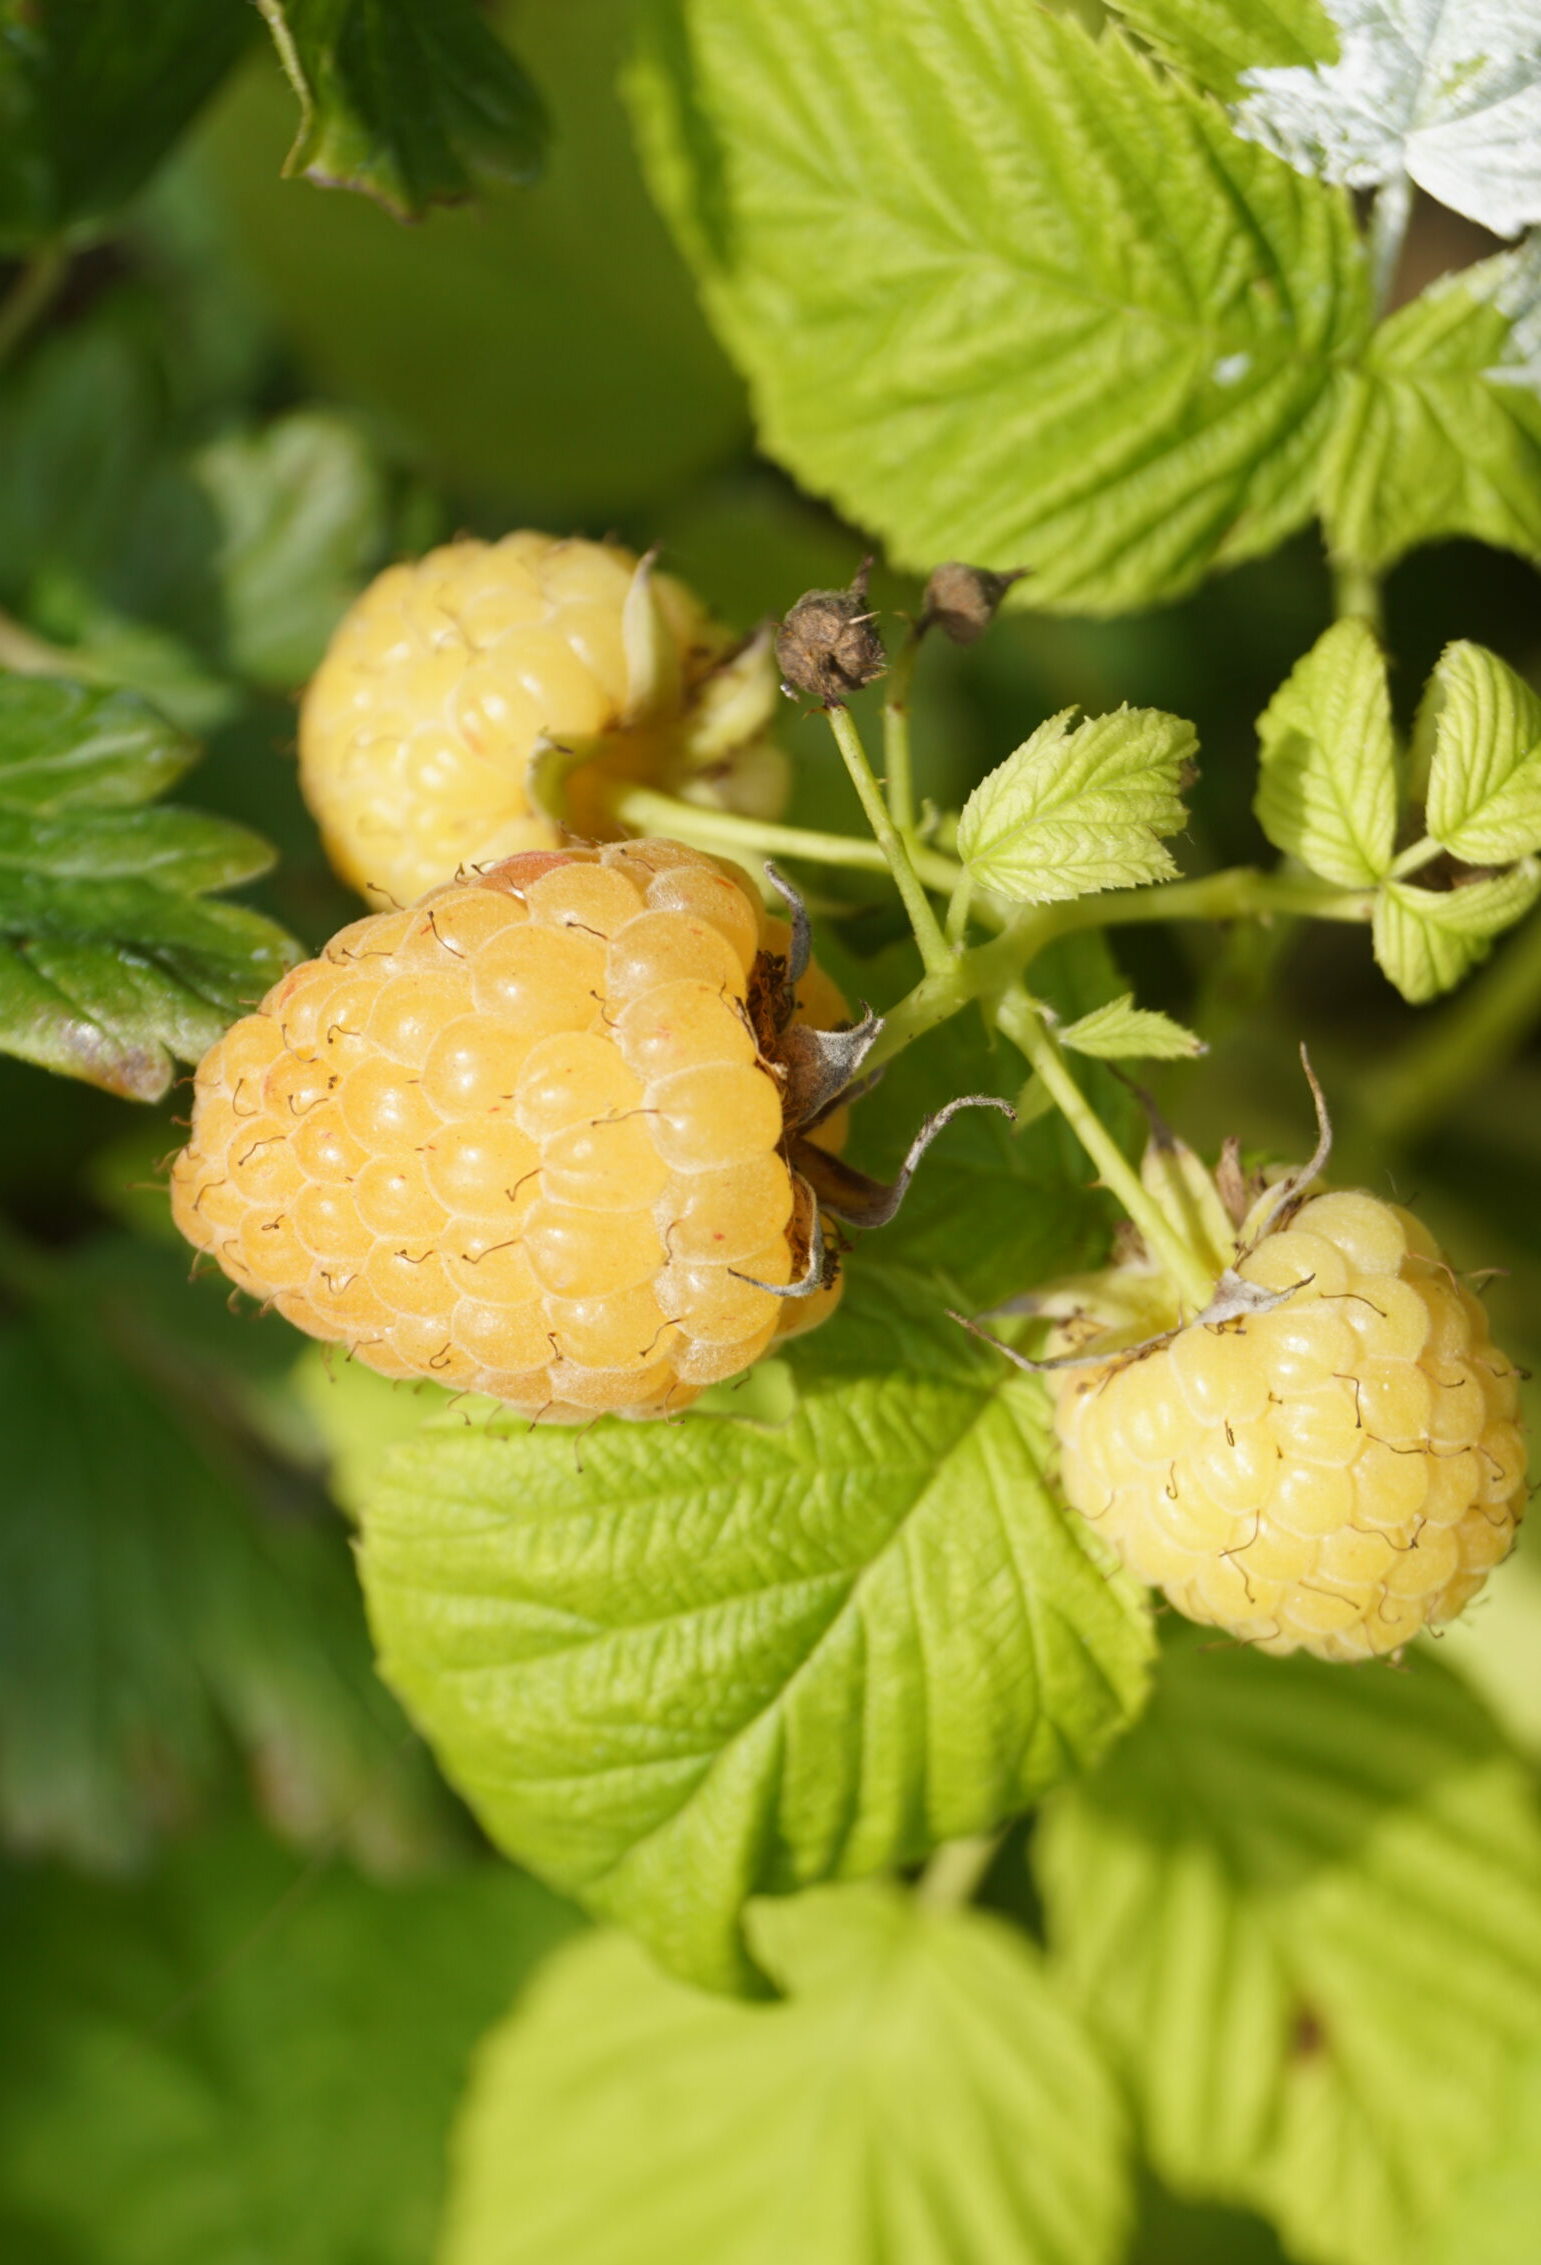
828	646
962	600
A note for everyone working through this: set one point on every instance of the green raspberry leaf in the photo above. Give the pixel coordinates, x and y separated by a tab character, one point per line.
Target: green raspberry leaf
171	570
1002	291
239	2058
1484	800
300	508
1440	430
92	95
68	748
1495	2213
1080	807
1447	96
1215	41
920	2092
1123	1032
1328	787
412	105
1495	1650
1426	940
111	961
1302	1905
677	1667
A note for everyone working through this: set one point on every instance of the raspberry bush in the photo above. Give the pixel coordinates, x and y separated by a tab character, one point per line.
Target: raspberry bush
776	1517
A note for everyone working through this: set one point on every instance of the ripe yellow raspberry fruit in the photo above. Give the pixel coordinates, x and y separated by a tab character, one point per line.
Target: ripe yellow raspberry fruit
447	675
527	1138
1329	1475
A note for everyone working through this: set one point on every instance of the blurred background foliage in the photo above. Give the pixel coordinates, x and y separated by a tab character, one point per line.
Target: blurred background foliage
253	1937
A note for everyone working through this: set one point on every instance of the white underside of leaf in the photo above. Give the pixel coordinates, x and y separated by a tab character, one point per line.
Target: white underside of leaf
1446	91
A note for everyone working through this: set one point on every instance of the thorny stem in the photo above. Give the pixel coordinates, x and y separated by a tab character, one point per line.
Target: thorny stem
935	952
957	1871
898	770
1024	1025
29	296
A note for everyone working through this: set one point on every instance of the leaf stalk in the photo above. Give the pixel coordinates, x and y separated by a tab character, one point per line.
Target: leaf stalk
1024	1025
935	951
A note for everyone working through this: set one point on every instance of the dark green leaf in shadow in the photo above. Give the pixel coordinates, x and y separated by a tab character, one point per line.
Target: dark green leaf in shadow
995	1209
301	511
411	104
92	95
244	2057
170	1594
111	960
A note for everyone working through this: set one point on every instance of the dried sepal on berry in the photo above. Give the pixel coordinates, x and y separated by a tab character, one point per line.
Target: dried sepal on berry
1329	1458
828	646
962	601
452	672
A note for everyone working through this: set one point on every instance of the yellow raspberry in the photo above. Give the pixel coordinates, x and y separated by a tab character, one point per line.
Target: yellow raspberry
527	1138
443	679
1330	1475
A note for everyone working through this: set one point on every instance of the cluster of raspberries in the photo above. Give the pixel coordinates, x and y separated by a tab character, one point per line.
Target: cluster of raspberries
562	1131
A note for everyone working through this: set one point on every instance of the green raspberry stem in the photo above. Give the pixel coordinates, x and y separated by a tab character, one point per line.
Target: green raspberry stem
958	905
981	974
1238	892
1389	215
1357	593
1411	860
956	1872
646	810
1024	1025
898	767
935	951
